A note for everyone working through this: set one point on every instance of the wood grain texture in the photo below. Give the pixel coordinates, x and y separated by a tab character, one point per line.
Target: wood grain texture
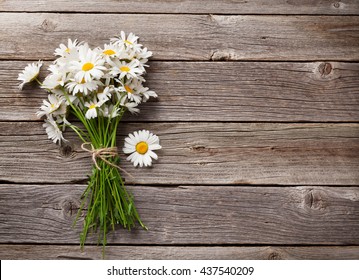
191	215
192	6
66	252
189	37
221	91
197	153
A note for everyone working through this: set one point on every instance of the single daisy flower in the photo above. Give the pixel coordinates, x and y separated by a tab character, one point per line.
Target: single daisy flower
111	51
67	53
143	56
84	87
55	106
131	91
129	42
140	145
110	111
64	50
53	131
130	106
90	65
92	109
124	69
30	73
57	77
105	94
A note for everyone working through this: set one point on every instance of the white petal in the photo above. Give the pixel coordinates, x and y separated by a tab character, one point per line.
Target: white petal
127	150
154	147
152	154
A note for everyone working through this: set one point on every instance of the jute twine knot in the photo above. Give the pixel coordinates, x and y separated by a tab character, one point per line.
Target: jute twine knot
103	154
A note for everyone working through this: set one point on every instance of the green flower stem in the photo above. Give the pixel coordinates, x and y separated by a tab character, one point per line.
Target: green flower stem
108	202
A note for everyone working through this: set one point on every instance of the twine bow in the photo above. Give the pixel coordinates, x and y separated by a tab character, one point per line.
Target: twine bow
103	154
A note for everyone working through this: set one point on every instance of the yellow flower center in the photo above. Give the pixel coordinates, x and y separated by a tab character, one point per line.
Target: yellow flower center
92	106
52	106
128	89
128	42
109	52
142	148
125	69
87	66
67	50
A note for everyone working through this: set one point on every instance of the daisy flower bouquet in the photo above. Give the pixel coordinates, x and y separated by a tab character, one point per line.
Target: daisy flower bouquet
97	87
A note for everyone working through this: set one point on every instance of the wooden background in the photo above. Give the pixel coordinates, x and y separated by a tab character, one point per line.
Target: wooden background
258	118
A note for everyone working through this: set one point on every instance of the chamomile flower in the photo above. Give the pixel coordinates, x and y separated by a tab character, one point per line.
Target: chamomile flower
131	107
143	56
54	105
111	51
84	87
90	65
30	73
129	42
55	79
92	108
140	145
105	94
124	69
110	111
53	131
131	92
64	50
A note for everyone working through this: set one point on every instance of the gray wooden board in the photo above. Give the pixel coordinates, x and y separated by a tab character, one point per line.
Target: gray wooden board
68	252
192	6
191	215
196	153
221	91
188	37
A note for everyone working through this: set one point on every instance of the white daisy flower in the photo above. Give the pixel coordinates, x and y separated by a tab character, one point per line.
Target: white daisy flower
129	70
84	87
136	91
143	56
147	94
110	111
30	73
64	50
68	53
55	79
105	94
129	42
131	92
131	107
140	145
53	131
111	51
54	106
90	65
92	109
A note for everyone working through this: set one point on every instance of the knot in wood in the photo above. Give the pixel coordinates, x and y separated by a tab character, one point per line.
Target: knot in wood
336	5
274	256
325	68
48	25
70	207
314	200
66	150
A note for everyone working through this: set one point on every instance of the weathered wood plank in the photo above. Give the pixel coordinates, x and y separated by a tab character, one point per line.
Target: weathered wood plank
225	91
192	6
198	153
189	37
66	252
191	215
